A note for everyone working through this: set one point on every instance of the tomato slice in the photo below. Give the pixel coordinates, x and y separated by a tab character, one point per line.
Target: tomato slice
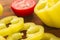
23	7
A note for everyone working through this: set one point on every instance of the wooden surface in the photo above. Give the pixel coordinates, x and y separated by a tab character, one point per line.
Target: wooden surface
32	18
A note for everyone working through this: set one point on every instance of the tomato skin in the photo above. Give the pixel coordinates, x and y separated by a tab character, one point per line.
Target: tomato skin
24	12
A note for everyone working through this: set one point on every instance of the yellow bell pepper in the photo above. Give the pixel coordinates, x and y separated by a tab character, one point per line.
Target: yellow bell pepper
11	29
1	9
16	24
15	36
34	32
49	12
49	36
2	38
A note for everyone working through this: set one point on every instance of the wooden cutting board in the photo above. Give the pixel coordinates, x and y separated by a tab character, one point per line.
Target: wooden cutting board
31	18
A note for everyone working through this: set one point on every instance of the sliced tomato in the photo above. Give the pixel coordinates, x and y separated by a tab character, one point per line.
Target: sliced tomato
23	7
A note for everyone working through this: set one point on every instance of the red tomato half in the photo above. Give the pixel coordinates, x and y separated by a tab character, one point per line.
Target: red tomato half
23	7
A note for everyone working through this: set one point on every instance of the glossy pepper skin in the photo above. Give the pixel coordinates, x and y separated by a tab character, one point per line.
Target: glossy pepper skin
1	9
49	12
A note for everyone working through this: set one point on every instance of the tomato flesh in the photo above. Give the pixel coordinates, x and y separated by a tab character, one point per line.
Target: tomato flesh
23	7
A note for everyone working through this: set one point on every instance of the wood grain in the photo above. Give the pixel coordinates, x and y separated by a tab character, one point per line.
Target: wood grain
31	18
